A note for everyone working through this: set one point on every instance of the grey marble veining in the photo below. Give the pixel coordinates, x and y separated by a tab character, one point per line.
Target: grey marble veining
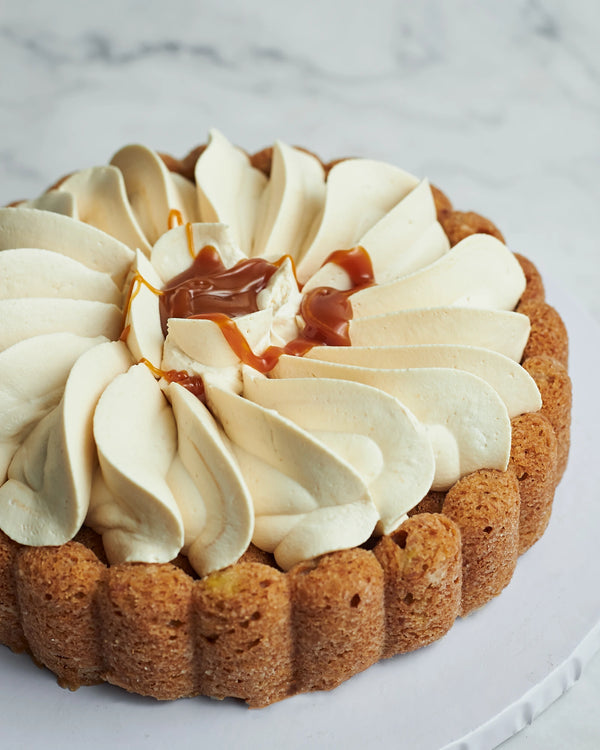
498	103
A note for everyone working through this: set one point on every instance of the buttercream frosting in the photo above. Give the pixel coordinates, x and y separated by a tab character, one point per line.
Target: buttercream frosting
201	434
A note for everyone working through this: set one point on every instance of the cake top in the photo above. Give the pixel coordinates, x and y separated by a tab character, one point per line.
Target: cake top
294	360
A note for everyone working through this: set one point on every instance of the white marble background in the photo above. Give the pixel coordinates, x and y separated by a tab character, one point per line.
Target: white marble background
496	102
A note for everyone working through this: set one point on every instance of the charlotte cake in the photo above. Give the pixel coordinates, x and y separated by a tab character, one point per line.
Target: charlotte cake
260	477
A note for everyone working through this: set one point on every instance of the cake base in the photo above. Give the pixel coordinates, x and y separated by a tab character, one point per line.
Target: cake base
534	656
256	633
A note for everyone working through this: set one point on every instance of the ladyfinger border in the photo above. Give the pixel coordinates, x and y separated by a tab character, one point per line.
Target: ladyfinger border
255	633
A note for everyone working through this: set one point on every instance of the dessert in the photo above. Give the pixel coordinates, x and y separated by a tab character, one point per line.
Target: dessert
291	418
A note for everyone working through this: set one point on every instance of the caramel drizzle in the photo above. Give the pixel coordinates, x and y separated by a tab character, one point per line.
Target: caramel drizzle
238	343
175	218
137	282
208	286
326	311
189	233
192	383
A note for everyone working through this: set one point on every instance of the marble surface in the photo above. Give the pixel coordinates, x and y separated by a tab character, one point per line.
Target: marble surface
498	103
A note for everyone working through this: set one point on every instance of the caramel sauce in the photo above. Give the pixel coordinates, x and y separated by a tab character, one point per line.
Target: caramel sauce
357	264
208	290
326	311
175	218
207	287
189	233
193	383
136	284
262	362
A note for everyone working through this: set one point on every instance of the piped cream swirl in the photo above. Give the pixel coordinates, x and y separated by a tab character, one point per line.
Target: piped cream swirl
319	454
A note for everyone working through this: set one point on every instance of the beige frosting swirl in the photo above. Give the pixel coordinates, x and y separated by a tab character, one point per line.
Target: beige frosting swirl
327	449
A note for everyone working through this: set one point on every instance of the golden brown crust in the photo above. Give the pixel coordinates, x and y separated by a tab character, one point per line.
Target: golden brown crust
262	160
146	636
533	458
183	563
534	290
331	164
548	336
56	593
11	631
186	166
554	384
461	224
242	619
433	502
254	554
93	541
255	633
443	206
485	506
59	182
422	570
338	618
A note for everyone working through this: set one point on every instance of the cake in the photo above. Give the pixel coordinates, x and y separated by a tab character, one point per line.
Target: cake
265	420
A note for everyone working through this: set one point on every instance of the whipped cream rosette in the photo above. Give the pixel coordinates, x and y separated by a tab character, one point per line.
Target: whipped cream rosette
292	360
